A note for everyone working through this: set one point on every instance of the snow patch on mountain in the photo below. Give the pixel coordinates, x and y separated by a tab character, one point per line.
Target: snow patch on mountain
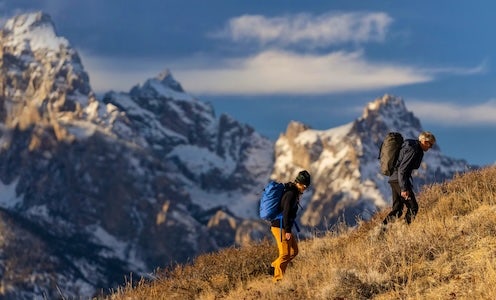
242	205
167	92
8	195
39	211
202	160
133	109
116	248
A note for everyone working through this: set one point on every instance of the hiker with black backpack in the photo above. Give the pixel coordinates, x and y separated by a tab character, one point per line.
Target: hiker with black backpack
281	227
409	158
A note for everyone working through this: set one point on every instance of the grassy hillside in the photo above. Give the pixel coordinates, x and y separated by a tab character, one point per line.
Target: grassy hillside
448	252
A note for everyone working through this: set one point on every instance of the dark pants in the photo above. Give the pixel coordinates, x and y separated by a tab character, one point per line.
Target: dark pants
398	202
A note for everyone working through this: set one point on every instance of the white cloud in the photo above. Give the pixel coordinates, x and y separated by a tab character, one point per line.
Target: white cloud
481	68
305	29
269	72
455	114
118	74
274	70
283	72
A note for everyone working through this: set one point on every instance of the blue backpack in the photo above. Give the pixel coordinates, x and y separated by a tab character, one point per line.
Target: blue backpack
270	202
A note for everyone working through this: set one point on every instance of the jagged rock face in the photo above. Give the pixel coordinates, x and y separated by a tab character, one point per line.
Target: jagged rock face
344	163
43	79
117	185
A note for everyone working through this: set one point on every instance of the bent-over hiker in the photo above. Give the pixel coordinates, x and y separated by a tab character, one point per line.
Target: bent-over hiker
410	158
286	241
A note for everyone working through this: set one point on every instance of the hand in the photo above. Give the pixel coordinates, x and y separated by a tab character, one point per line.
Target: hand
287	235
405	194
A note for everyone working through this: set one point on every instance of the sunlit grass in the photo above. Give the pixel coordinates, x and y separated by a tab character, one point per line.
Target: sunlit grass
448	252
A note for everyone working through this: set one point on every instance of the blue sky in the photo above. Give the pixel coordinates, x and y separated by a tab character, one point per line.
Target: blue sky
319	62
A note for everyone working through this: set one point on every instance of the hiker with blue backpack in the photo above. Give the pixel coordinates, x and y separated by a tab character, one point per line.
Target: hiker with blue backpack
409	158
282	222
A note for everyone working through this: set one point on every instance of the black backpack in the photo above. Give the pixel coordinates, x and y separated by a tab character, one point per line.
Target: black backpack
389	152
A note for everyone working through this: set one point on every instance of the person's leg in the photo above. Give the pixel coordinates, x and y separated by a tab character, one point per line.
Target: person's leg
397	209
282	248
293	247
412	208
287	251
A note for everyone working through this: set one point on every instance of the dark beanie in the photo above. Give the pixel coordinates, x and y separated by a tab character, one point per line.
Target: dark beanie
303	178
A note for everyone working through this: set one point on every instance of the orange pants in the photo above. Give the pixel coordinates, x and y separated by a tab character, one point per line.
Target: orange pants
287	251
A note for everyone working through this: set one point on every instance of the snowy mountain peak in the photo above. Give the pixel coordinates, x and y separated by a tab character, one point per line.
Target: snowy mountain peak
162	86
27	22
45	80
390	112
295	128
35	30
168	80
386	105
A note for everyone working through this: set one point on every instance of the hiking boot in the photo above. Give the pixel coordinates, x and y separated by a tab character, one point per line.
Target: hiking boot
270	271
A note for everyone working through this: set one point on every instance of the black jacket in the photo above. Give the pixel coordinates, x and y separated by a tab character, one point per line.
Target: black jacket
289	207
409	159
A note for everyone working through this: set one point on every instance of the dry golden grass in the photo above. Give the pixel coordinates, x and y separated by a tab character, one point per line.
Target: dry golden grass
448	252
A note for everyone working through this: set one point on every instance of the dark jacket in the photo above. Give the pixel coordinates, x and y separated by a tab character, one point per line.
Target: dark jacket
289	207
409	159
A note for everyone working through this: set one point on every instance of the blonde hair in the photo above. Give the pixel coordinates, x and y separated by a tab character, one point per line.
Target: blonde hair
427	136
